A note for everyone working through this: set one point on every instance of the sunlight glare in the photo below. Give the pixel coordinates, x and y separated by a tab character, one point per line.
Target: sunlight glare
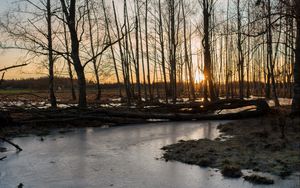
199	76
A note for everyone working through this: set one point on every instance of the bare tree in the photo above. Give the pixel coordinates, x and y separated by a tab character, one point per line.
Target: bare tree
68	59
137	64
172	49
28	35
207	6
162	46
70	14
69	10
186	55
50	56
107	25
124	61
270	53
240	52
147	51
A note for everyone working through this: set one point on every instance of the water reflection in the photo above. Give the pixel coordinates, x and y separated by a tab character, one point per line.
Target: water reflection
114	157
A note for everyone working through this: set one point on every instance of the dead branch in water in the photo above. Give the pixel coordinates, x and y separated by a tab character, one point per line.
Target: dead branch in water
11	143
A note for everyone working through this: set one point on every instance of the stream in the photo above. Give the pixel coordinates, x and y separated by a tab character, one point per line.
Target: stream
121	157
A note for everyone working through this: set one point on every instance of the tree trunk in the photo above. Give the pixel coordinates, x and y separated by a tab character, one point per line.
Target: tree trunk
96	68
69	62
172	50
71	22
161	38
127	50
50	57
142	57
111	48
248	49
137	64
125	70
186	56
240	53
147	51
270	55
71	78
296	96
227	52
207	55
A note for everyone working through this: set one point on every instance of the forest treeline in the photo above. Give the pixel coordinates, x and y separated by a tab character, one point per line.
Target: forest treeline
63	84
60	83
228	48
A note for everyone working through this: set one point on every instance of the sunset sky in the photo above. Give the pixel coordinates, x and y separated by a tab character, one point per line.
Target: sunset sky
12	57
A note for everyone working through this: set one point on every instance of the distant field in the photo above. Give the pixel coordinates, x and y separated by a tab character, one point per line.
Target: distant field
41	91
63	96
16	91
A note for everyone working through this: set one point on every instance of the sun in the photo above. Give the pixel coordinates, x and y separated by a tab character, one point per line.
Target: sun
199	76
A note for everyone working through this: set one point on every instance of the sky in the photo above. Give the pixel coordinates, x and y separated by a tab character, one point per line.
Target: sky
12	57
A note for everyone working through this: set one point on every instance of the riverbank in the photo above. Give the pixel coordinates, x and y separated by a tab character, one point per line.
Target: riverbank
266	144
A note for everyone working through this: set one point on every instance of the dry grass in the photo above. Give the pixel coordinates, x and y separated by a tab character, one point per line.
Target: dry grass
255	144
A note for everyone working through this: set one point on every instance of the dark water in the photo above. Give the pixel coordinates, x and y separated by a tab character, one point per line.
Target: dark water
123	157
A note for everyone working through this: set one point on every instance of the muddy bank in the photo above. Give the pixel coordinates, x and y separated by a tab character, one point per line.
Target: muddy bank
256	144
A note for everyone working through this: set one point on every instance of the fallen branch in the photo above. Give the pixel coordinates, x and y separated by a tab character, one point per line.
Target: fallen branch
11	143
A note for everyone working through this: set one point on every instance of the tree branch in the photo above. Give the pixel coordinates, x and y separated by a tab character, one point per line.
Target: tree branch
12	67
103	50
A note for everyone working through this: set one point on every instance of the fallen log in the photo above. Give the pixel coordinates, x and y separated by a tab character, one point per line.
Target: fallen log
206	107
121	115
260	104
187	117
